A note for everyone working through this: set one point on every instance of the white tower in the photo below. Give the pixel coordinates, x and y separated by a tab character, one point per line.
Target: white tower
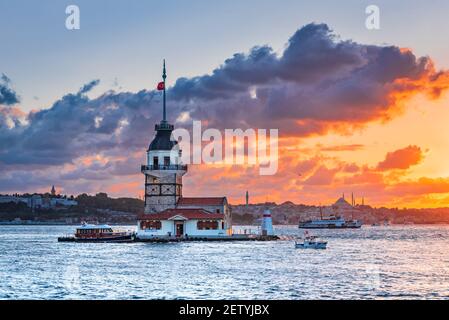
164	170
267	224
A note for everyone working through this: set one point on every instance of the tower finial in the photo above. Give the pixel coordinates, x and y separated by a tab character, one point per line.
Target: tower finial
164	76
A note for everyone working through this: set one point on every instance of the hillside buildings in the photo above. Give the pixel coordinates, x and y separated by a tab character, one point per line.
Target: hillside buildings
40	201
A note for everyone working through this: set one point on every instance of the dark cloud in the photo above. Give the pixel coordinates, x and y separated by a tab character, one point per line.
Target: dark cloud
318	84
7	95
314	53
76	126
88	86
311	55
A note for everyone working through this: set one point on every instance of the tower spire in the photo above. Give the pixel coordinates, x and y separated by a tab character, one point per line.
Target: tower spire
164	76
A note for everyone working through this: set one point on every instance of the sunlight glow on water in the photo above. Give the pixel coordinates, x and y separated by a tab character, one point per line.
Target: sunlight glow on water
372	263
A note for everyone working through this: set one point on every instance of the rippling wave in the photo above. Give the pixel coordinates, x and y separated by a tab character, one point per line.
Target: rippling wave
406	262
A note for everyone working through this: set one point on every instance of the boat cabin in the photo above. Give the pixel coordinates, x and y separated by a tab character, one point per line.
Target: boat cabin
87	231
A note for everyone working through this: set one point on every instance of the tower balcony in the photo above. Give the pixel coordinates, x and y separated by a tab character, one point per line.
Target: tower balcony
173	167
164	126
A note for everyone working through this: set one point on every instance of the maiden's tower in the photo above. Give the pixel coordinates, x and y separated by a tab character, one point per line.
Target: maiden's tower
167	213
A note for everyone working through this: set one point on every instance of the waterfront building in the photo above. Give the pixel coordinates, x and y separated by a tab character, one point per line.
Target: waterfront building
62	202
36	202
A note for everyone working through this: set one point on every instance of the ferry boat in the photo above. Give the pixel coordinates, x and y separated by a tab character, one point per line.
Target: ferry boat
332	222
98	233
311	242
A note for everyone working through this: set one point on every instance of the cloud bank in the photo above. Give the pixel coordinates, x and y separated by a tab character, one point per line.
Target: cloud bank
402	159
319	84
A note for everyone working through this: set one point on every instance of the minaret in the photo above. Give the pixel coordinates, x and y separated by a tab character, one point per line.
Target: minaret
164	169
247	199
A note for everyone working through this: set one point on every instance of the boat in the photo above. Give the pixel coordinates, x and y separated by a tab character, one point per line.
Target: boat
98	233
331	222
311	242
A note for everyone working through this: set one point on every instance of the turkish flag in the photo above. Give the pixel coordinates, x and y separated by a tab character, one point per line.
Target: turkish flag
161	86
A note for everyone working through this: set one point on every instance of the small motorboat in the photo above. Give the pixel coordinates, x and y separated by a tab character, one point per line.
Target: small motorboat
311	242
98	233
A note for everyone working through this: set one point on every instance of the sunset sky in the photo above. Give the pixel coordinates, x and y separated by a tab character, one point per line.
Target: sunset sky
358	110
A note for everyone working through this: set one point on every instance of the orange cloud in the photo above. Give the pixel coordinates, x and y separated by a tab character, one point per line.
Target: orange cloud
322	176
126	187
421	186
401	159
351	147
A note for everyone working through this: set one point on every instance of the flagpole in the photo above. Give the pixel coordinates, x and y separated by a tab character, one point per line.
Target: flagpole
164	76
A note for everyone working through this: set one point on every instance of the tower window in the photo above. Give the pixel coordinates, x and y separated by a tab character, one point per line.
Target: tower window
166	161
156	161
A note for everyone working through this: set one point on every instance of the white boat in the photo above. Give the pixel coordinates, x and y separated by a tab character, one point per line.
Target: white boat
330	223
311	242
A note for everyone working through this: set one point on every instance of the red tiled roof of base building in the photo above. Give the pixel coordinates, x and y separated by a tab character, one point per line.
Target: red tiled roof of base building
188	214
202	201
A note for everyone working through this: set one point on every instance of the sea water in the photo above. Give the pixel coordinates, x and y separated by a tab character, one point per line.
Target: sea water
395	262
